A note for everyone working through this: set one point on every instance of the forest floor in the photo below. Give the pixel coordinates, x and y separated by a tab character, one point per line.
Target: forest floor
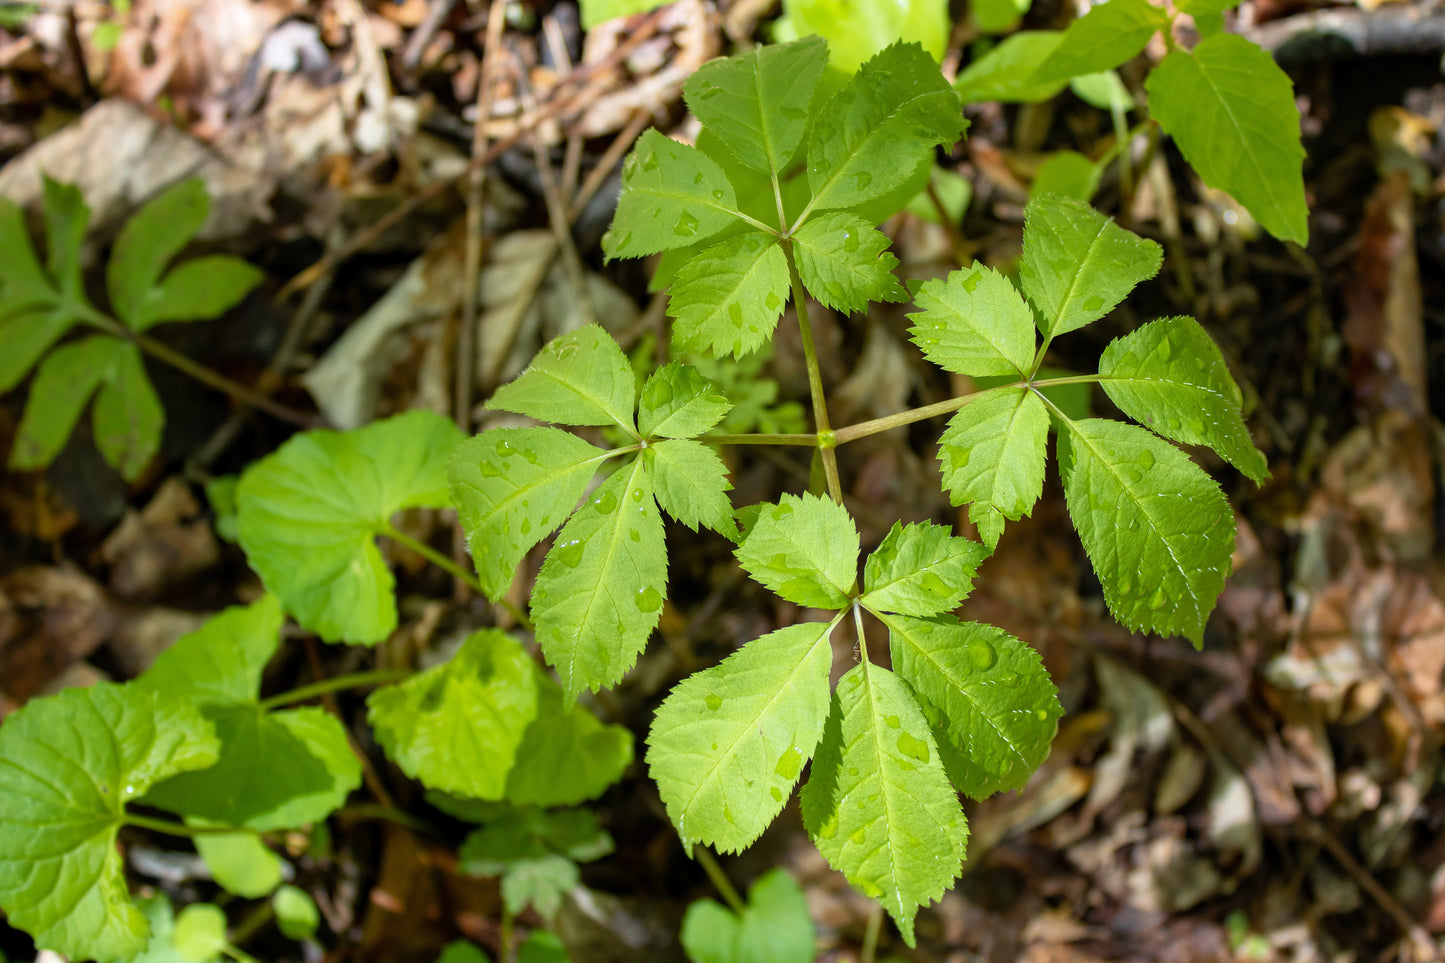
1275	797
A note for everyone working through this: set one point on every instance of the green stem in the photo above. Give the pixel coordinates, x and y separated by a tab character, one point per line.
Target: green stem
865	428
719	879
252	923
870	935
388	814
507	937
825	440
436	558
171	828
804	441
355	680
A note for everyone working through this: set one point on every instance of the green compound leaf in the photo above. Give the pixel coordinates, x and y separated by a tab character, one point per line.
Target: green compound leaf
66	217
728	743
127	416
804	549
308	514
512	487
567	755
536	854
757	102
599	594
974	322
27	333
844	262
678	402
24	285
456	727
1078	264
277	769
871	135
727	299
68	765
1170	377
987	695
202	288
1157	528
992	455
1006	72
878	802
1231	110
691	483
921	570
1110	34
581	378
774	927
672	196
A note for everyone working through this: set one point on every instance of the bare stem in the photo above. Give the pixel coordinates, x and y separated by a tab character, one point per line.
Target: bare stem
171	828
354	680
803	441
825	439
719	879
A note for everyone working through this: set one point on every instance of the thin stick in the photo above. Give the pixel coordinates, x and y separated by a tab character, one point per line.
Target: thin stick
719	879
165	353
620	145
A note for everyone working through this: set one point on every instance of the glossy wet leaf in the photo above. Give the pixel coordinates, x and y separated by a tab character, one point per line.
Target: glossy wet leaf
992	456
804	548
774	927
1231	110
974	322
757	102
678	402
308	516
870	136
68	765
512	487
878	803
600	592
728	743
1109	35
672	196
1077	264
1157	529
1006	72
845	263
985	693
921	569
581	378
1170	377
691	484
727	299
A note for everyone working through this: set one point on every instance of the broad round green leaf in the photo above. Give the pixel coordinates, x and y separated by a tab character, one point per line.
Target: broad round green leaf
68	765
241	863
308	515
1170	377
567	754
774	928
1231	110
729	742
878	802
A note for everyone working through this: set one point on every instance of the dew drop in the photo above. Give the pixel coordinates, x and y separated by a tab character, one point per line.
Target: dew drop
686	225
858	836
526	525
648	599
489	470
637	494
649	162
970	283
777	794
850	242
1158	599
697	178
789	763
861	180
981	654
605	503
713	702
1041	714
893	722
773	302
1093	303
718	195
912	747
793	113
569	554
830	828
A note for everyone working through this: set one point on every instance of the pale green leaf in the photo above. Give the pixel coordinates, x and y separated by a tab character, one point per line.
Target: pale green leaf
774	927
997	16
870	136
535	853
672	196
24	286
728	743
845	263
457	727
804	549
66	217
1104	90
240	863
1231	110
1110	34
856	30
985	692
160	948
221	662
600	11
308	515
757	102
678	402
153	235
1157	528
512	487
727	300
974	322
202	288
1005	73
68	765
127	415
1171	377
954	193
297	916
1078	264
691	483
1206	8
581	378
878	802
543	946
567	755
460	951
921	569
992	455
599	594
200	932
1066	173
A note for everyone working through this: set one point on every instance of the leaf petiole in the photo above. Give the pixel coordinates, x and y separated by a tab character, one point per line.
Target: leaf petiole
172	828
354	680
719	879
815	378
